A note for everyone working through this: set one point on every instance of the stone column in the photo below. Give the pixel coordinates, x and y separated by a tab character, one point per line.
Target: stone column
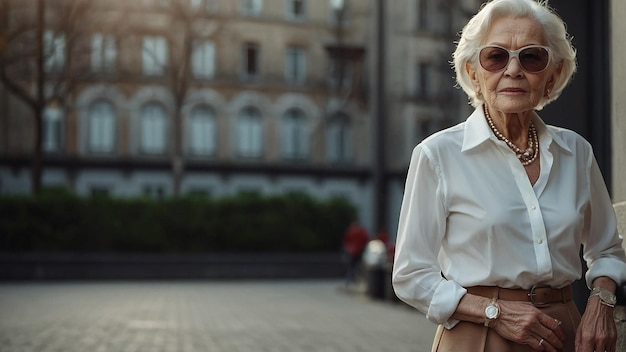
620	309
618	130
618	109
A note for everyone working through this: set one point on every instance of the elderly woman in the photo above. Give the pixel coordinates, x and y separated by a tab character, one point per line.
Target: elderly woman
496	208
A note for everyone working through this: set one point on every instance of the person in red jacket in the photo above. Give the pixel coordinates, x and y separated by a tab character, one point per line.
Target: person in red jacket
354	241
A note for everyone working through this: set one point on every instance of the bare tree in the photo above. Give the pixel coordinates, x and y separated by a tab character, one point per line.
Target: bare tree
189	27
39	44
179	76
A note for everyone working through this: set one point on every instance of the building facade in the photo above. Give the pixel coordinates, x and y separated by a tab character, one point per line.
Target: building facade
170	97
421	96
240	95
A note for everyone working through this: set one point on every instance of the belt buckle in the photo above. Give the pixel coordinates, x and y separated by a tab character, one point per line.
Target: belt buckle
532	294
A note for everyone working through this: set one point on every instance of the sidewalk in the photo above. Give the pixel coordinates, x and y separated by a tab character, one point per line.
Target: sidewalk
164	266
189	316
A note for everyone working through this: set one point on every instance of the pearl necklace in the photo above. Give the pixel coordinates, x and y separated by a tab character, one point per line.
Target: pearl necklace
527	156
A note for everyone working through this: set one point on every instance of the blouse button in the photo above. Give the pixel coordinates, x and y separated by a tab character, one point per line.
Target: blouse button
540	241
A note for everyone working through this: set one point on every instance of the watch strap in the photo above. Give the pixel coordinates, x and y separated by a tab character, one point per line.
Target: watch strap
601	293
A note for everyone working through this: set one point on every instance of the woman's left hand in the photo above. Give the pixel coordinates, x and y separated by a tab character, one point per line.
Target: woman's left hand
597	330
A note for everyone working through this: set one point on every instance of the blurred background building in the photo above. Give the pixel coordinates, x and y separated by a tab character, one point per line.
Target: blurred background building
166	98
171	97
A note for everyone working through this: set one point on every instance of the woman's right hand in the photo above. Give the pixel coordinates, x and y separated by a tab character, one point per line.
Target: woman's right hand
523	323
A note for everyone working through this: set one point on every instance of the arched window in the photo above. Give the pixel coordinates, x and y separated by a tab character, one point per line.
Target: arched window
153	129
202	131
52	129
249	133
339	138
295	135
101	127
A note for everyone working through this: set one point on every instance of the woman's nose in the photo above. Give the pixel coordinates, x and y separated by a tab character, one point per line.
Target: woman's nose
513	68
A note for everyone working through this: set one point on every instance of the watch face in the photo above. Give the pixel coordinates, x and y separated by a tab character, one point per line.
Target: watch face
608	297
491	312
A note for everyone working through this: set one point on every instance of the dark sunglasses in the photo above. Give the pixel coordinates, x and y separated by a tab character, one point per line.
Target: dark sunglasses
532	58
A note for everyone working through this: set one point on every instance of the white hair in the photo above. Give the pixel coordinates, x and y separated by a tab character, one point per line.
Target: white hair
475	31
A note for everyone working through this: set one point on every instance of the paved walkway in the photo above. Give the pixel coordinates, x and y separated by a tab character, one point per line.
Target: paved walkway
207	316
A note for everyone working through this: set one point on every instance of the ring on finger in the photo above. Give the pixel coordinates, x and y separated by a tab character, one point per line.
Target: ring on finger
541	341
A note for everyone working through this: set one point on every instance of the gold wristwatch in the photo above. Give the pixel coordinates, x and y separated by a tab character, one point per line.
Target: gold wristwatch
606	297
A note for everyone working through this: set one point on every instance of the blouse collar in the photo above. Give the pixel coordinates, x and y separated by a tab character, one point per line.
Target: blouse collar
477	131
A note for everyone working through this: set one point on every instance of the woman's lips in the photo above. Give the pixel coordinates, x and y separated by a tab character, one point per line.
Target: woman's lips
512	90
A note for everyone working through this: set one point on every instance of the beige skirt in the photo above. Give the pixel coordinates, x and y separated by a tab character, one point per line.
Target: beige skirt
471	337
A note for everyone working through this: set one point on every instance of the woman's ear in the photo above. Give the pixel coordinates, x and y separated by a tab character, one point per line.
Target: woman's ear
472	75
559	68
555	74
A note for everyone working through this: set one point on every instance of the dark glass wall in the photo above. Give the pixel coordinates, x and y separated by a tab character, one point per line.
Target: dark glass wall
584	106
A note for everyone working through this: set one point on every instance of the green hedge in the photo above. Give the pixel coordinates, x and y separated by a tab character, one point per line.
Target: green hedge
57	222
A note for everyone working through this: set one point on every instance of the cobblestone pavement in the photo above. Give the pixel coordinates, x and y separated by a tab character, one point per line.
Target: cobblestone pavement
182	316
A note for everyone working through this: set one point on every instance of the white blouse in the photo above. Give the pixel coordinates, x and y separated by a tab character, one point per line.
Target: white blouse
470	216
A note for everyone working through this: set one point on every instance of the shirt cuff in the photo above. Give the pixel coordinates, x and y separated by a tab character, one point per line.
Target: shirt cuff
609	267
444	303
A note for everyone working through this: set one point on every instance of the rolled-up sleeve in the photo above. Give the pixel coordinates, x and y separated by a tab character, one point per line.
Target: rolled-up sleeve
416	277
603	249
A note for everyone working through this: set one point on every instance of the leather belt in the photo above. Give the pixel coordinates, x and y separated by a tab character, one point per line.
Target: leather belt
538	295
